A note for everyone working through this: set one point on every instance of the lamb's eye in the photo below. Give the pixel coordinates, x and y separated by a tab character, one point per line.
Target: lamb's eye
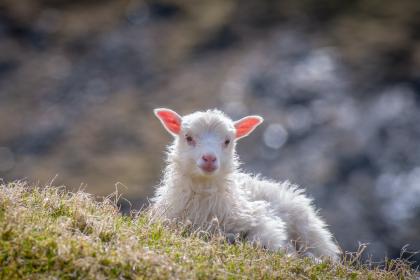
227	142
189	139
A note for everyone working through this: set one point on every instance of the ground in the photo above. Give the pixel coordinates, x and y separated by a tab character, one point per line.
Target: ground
50	233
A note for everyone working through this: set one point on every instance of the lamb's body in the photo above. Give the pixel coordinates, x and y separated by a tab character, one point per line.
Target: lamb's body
276	215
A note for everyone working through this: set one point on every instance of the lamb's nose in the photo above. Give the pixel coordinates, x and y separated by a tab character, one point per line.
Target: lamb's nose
209	158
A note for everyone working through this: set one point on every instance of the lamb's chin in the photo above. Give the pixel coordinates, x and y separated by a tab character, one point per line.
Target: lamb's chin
200	174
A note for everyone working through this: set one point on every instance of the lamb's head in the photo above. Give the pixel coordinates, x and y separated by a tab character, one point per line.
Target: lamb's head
205	141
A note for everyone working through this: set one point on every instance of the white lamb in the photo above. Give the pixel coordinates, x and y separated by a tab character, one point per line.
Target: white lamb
202	184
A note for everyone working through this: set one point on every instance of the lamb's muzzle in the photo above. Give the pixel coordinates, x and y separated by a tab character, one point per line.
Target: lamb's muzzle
203	183
208	163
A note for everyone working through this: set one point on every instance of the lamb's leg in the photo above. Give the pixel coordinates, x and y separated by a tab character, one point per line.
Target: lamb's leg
304	226
270	233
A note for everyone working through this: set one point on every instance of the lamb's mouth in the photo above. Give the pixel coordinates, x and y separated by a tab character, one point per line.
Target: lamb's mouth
208	169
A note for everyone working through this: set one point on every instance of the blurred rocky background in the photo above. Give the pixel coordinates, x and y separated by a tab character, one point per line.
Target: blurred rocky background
338	83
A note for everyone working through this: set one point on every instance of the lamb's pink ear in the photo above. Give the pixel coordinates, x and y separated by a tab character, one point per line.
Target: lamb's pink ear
170	120
246	125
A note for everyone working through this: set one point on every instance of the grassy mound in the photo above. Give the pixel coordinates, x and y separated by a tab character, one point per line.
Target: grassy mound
50	233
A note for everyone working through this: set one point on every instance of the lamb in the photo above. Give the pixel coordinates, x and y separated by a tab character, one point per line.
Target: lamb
203	183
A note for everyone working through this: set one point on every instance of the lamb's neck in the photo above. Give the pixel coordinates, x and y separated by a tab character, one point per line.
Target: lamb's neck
201	199
197	185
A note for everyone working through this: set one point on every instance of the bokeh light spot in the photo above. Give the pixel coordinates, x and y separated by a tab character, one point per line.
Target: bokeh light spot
275	136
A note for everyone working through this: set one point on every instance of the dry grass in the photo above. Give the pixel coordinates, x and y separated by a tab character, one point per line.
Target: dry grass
49	233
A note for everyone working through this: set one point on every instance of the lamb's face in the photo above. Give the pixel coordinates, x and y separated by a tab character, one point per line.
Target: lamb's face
205	144
205	141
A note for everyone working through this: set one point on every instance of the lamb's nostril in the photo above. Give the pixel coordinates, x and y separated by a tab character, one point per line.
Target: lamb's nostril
209	158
